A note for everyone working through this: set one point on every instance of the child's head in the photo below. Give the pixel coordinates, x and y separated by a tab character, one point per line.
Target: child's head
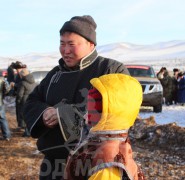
114	102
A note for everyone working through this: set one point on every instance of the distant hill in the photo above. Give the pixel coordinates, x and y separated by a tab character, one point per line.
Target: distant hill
170	54
127	51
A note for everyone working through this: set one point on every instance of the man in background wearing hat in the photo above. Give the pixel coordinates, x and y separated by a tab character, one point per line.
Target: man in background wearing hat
174	82
69	80
18	66
181	88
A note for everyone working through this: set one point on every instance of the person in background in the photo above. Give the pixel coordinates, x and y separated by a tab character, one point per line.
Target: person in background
18	66
26	86
160	74
106	153
175	86
10	97
167	84
10	73
181	88
69	80
4	89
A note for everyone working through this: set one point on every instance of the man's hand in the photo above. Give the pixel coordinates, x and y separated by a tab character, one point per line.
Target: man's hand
50	118
12	84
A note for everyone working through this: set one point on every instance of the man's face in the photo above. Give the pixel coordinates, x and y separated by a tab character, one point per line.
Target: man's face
176	73
19	70
73	48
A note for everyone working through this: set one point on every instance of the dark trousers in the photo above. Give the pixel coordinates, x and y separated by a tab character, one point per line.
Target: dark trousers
19	115
52	169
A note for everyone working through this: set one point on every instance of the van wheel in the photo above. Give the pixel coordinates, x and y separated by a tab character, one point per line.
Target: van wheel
157	108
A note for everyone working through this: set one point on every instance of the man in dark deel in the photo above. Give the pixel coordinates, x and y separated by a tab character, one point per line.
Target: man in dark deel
69	80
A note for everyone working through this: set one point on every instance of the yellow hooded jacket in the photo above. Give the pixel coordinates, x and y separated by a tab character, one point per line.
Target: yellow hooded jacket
121	101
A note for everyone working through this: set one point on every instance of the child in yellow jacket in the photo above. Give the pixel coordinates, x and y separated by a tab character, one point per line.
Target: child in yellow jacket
106	154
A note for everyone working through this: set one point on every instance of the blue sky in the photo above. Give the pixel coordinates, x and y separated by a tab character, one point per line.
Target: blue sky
28	26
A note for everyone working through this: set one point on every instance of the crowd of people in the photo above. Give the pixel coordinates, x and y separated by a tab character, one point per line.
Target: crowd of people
18	84
173	86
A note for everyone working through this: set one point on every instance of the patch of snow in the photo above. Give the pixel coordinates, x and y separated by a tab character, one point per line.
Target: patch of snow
169	114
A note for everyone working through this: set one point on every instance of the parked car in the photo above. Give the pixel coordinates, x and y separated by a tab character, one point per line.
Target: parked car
39	75
152	88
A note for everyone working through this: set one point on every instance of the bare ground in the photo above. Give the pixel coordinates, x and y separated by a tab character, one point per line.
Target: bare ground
20	160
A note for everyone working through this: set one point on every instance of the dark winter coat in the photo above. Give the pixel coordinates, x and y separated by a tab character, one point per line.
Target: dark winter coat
63	83
167	83
17	83
181	90
174	89
25	87
11	75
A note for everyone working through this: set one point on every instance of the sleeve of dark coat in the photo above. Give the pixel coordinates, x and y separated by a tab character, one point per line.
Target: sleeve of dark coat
33	110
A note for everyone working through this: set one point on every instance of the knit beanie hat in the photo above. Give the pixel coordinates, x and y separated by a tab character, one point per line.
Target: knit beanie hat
85	26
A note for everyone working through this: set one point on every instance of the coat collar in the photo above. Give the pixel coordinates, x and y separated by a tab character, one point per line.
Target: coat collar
85	62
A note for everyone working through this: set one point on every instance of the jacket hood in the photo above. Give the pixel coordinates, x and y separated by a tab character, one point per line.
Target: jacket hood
121	101
29	78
